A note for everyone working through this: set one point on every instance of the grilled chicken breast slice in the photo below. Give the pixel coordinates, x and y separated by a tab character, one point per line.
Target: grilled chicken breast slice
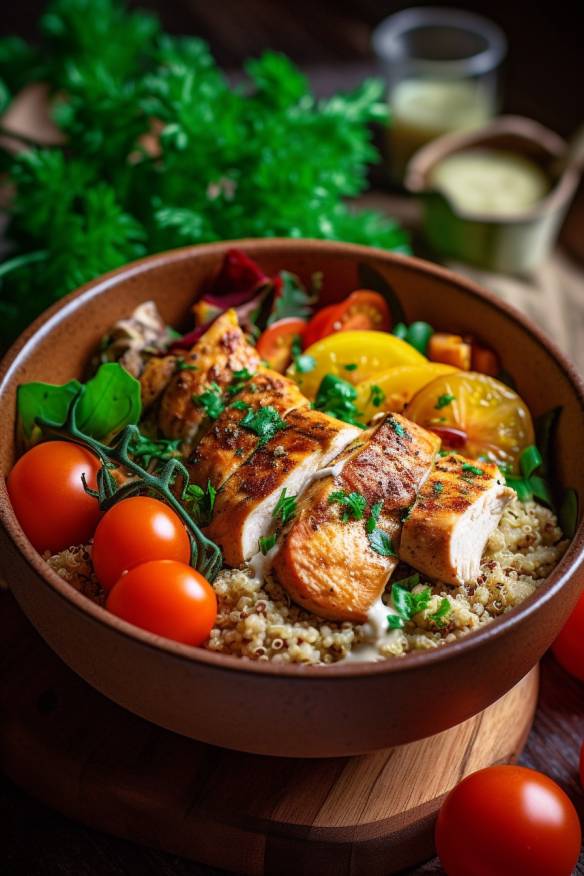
328	563
244	507
157	374
222	350
227	444
456	511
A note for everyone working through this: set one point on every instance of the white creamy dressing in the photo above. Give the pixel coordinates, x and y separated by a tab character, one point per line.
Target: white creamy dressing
376	634
328	471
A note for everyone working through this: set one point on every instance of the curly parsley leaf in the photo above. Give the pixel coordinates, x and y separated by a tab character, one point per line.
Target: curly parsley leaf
264	422
200	502
211	402
381	543
146	449
373	517
443	401
336	397
354	503
439	616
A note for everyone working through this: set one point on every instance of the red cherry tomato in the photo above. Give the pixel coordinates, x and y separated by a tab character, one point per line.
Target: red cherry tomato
168	598
275	344
48	497
136	531
508	821
314	330
568	649
582	765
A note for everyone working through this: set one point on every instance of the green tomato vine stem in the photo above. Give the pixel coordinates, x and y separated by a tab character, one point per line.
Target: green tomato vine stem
205	554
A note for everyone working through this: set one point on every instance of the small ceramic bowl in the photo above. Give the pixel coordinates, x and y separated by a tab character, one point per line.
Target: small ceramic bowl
269	708
515	244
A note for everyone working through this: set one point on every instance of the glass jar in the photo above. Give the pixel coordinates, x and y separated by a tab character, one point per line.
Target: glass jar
442	68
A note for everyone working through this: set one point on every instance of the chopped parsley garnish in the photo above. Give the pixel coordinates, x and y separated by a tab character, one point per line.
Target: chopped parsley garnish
398	428
181	365
439	616
210	401
376	395
200	502
239	380
285	508
240	405
146	449
443	401
373	516
264	422
472	469
351	366
410	581
336	397
381	543
406	603
438	487
267	542
354	503
303	363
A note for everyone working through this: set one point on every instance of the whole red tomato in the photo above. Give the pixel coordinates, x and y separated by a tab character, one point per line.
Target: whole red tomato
48	497
568	649
136	531
508	821
167	598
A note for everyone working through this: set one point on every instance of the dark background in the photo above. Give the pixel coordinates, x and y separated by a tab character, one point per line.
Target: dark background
544	74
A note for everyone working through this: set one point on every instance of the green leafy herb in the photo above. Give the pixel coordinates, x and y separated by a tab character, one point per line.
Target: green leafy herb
438	487
336	397
267	542
406	603
292	300
264	422
303	363
261	158
397	428
472	469
240	405
354	503
376	396
410	581
239	380
200	502
210	401
285	508
443	401
352	366
146	449
381	543
373	517
440	615
182	365
530	460
417	335
529	485
42	400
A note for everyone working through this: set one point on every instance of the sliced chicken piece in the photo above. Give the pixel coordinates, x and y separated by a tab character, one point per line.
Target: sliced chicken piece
228	444
328	561
456	511
157	374
244	507
222	350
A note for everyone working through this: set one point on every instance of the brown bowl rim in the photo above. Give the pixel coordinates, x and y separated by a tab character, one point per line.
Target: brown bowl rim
415	661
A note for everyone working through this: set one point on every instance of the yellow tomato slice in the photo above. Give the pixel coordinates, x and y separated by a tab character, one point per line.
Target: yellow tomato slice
495	420
395	388
355	356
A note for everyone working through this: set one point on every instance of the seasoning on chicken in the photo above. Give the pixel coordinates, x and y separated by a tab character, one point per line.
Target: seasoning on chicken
155	377
244	507
228	444
341	548
456	511
208	368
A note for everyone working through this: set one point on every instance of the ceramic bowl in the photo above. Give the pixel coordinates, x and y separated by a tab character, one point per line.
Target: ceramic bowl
514	244
300	711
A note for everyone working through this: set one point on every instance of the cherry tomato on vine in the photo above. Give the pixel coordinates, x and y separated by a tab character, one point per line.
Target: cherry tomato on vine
275	344
135	531
168	598
508	821
315	326
48	497
568	648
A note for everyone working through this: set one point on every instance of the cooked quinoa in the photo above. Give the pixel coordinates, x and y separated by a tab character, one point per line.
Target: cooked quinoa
258	621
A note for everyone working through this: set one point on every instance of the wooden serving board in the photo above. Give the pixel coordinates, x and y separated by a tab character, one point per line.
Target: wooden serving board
87	757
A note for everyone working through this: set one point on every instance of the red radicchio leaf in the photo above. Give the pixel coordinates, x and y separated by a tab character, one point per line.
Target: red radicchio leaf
240	284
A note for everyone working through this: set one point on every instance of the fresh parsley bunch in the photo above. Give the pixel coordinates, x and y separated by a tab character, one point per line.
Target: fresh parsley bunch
161	150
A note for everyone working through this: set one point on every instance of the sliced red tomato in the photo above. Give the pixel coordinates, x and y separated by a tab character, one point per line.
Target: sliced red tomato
362	310
275	344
